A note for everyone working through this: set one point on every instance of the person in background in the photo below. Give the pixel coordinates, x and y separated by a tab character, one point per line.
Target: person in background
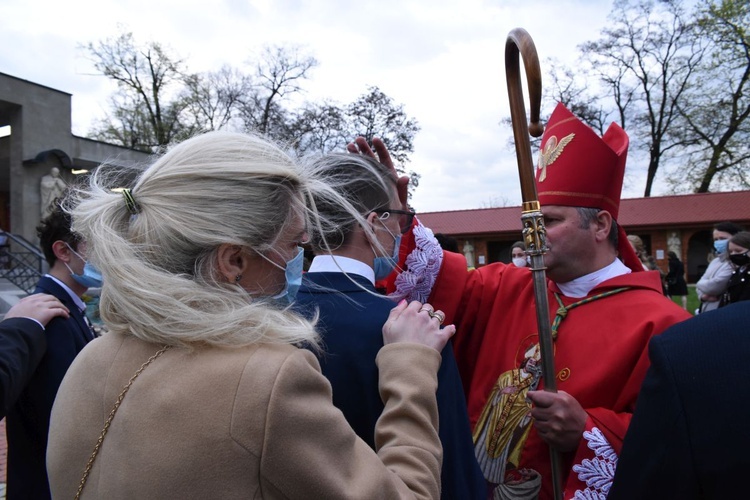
738	286
69	276
649	264
447	243
713	283
201	388
676	285
648	261
351	254
689	437
518	254
22	343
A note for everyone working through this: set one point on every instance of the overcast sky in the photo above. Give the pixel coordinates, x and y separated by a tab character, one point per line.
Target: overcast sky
442	59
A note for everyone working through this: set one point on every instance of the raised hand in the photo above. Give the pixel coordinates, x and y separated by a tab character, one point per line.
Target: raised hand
360	146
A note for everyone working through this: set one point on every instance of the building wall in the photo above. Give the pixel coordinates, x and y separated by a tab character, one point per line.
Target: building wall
88	151
40	120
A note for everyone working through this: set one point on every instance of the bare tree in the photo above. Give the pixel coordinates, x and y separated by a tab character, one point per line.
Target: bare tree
322	128
279	72
147	76
718	107
374	114
126	124
647	58
319	128
571	89
213	99
496	202
159	101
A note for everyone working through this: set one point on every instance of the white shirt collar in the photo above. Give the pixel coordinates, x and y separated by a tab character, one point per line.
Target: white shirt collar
339	264
580	287
81	305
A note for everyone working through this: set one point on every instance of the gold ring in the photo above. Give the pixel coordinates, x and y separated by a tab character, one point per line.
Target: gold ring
439	315
429	311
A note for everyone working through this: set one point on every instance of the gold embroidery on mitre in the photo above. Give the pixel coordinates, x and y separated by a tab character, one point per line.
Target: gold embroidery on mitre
551	152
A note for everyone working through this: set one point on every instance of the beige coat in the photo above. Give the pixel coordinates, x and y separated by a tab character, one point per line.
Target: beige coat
253	422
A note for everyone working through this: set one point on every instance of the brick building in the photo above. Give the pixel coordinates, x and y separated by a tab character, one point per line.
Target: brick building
680	223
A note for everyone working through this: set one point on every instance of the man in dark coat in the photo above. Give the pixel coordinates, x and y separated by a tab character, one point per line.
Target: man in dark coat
22	343
689	437
28	419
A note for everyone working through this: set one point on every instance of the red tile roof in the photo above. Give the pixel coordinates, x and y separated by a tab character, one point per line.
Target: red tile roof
677	210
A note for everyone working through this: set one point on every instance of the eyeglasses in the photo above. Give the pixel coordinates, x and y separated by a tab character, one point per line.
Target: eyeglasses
406	217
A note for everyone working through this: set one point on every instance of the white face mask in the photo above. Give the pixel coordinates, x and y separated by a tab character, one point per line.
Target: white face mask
519	261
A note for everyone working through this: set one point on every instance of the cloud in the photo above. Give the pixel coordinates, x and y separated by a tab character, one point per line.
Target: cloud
442	59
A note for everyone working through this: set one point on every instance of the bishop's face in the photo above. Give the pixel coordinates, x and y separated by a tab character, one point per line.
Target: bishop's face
572	249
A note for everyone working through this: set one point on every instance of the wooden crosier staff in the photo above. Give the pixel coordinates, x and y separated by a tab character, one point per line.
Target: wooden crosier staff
534	234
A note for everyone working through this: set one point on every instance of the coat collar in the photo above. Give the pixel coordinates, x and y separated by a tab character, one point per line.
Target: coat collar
330	282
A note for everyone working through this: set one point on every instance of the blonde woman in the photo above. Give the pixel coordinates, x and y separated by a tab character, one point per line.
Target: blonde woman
199	260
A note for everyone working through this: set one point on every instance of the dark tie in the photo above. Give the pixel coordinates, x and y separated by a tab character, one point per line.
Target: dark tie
92	333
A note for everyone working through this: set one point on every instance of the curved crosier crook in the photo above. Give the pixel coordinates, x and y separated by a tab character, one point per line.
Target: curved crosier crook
519	42
534	233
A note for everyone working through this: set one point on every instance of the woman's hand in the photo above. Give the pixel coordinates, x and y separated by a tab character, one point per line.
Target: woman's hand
417	323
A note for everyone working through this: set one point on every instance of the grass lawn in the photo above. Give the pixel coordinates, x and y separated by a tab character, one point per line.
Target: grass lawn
693	302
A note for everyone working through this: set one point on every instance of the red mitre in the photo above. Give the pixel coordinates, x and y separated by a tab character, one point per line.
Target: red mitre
577	168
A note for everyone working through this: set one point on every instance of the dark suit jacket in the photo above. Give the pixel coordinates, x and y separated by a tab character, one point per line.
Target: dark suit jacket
690	437
28	420
351	325
22	345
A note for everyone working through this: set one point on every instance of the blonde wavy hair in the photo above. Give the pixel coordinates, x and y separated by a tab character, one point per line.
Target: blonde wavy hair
160	265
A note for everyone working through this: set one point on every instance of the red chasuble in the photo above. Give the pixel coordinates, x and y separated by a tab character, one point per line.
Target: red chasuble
601	358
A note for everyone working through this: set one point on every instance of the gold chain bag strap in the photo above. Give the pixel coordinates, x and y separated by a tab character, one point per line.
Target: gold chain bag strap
112	415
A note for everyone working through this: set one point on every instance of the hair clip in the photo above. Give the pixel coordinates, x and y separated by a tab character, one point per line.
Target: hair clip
133	207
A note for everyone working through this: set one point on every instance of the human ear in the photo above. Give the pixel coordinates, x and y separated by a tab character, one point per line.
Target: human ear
603	225
231	261
370	219
62	251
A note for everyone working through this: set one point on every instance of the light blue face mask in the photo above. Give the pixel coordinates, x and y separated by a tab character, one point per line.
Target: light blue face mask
293	275
91	277
383	266
721	246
